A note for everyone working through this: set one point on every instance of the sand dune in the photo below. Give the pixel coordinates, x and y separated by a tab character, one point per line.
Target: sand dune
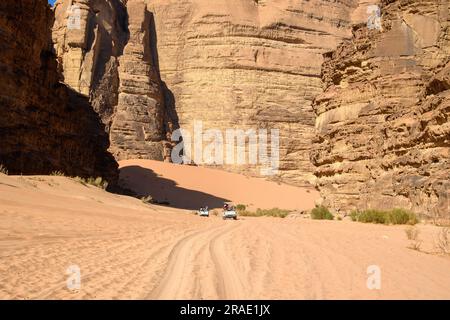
190	187
126	249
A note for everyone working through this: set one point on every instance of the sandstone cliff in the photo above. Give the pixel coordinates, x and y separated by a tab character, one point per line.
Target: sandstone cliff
251	64
44	126
109	57
383	122
229	63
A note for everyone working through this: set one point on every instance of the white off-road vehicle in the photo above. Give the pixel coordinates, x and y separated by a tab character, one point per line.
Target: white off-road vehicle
229	213
203	212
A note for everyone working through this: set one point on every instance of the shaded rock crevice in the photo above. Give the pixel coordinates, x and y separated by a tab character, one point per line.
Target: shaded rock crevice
111	58
44	125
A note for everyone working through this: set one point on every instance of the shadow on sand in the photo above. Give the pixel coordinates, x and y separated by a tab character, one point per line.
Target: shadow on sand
145	182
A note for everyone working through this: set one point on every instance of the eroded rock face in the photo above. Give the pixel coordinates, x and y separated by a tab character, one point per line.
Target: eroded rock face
232	64
251	64
383	122
88	47
44	125
109	57
137	128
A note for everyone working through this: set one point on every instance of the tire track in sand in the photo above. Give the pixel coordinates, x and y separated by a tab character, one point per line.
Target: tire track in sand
229	284
178	281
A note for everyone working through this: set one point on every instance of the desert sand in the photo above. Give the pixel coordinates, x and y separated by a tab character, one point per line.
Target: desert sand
189	187
127	249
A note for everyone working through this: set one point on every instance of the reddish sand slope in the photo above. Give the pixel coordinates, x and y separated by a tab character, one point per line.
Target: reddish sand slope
126	249
191	187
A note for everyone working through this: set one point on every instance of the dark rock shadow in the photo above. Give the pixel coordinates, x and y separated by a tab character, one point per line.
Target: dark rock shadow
144	182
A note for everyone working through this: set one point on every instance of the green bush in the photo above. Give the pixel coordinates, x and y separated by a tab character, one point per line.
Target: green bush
321	213
354	215
241	207
394	216
402	216
373	216
57	174
274	212
96	182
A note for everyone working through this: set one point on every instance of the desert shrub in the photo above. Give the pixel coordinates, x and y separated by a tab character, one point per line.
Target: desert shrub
215	212
57	173
241	207
443	242
394	216
321	213
415	245
412	233
274	212
354	215
247	213
402	216
373	216
96	182
148	199
3	169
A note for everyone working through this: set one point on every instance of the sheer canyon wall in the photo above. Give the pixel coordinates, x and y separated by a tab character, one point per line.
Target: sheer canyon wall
44	125
248	64
104	49
363	112
153	66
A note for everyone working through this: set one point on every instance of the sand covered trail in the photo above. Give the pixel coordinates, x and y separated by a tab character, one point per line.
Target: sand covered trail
126	249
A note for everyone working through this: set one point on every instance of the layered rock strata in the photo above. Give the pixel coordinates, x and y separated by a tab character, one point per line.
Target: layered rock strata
244	64
231	64
383	122
109	57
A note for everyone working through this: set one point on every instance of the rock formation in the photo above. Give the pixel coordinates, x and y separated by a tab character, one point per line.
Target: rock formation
230	63
109	57
250	64
44	126
383	122
137	128
378	101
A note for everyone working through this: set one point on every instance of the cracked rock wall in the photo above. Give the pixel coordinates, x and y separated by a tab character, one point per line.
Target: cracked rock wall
383	122
110	59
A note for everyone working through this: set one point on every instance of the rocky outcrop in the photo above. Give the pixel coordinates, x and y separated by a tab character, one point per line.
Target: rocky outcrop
232	64
137	128
251	64
44	126
383	122
109	57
